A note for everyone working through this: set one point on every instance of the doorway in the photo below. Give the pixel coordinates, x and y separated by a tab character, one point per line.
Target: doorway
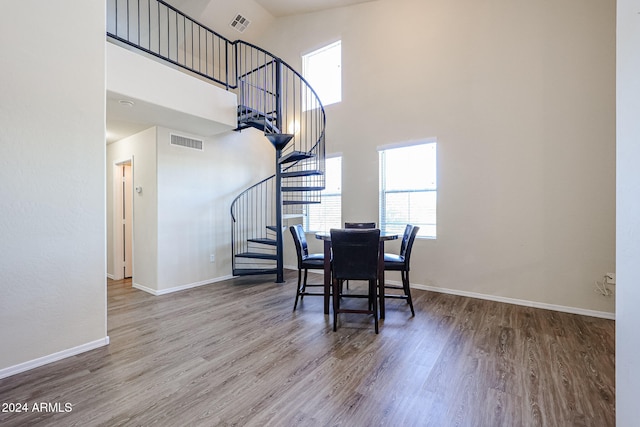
123	220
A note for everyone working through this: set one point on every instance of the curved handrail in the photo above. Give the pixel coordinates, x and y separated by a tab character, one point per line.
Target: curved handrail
239	196
288	66
270	90
302	79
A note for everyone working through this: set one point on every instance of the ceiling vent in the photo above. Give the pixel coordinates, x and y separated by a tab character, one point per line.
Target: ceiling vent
183	141
240	23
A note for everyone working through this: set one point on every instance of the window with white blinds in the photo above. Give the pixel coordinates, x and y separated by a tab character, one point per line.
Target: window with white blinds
408	188
328	214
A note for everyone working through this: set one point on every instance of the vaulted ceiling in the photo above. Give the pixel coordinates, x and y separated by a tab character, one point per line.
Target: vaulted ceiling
294	7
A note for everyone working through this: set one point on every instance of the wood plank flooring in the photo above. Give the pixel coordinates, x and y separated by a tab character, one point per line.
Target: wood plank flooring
235	354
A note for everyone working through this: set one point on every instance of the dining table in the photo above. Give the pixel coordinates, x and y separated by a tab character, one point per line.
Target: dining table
326	237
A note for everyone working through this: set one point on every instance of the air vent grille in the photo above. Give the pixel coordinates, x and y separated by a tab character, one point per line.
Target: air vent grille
183	141
240	23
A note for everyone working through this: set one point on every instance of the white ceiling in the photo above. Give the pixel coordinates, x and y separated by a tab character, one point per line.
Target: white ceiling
276	8
279	8
124	119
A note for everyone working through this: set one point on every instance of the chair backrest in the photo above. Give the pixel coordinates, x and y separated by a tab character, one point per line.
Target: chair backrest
300	241
355	253
360	225
408	238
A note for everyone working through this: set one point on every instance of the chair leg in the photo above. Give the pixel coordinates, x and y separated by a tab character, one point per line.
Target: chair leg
336	304
373	296
407	290
342	284
298	289
303	289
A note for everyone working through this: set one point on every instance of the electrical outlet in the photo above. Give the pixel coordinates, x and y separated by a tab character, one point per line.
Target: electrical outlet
212	258
611	278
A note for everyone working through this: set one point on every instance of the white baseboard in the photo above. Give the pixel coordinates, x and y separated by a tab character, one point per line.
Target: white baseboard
534	304
22	367
110	276
156	292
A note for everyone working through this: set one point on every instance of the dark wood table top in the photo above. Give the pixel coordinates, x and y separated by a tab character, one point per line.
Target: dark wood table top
325	235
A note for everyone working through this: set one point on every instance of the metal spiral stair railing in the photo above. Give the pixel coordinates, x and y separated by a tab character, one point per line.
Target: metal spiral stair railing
272	97
277	100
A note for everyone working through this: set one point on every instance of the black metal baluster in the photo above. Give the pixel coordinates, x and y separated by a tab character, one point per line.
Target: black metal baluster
138	20
206	53
149	22
184	40
127	15
158	9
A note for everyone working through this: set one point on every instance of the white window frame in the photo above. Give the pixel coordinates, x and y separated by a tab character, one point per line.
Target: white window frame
325	194
428	229
308	98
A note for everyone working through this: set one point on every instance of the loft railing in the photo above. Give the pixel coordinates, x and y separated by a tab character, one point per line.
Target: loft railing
265	83
161	30
271	95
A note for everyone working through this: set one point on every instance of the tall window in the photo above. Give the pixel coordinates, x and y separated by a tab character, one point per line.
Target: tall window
328	214
408	189
322	69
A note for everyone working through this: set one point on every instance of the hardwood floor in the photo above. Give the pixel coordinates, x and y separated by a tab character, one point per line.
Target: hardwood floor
235	354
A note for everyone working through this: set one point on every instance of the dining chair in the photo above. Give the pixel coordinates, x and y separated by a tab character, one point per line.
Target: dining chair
360	225
306	262
355	257
401	263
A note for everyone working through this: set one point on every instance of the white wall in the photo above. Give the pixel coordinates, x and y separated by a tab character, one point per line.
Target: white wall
52	169
186	103
134	75
195	191
521	97
141	149
181	217
628	215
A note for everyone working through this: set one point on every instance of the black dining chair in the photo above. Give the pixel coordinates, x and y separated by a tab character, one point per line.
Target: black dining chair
355	257
306	262
360	225
401	263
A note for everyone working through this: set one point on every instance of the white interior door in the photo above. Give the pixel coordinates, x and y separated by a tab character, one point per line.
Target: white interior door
123	220
127	220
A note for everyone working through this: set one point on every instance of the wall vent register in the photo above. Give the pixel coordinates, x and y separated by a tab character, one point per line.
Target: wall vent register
183	141
240	23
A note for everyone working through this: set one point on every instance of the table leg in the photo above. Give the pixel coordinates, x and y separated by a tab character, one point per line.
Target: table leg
381	277
327	274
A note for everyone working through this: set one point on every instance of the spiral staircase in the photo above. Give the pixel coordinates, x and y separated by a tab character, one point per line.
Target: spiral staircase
272	98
